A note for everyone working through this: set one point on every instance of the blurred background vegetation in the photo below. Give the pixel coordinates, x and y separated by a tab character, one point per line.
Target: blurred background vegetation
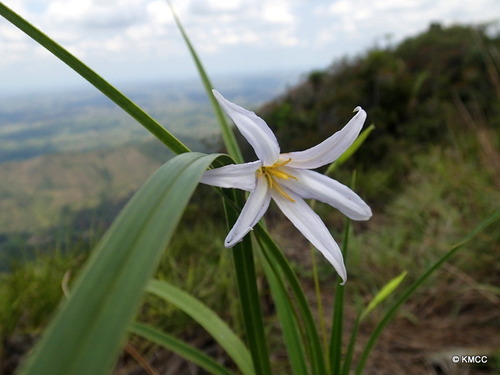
430	171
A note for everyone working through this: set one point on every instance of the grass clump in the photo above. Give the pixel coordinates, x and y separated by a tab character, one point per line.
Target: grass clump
30	293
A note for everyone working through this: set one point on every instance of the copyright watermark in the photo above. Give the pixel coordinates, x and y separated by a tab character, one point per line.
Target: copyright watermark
469	359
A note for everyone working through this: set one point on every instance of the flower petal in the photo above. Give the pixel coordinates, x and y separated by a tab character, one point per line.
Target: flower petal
254	129
311	184
331	148
256	205
313	228
239	176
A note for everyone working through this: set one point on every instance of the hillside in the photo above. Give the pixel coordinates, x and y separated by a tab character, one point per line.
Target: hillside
35	192
432	89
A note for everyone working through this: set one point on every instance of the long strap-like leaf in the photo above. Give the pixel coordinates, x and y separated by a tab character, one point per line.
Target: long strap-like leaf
87	333
288	320
204	316
278	260
182	349
246	280
409	292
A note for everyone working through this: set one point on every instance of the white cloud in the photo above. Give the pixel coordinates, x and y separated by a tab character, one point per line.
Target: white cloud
231	36
140	35
93	15
404	17
277	12
158	12
12	45
208	7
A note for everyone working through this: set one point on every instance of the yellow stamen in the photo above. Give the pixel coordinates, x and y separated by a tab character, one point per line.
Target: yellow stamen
281	163
280	190
280	174
272	173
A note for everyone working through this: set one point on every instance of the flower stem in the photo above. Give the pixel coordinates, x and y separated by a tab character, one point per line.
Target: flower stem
338	309
338	313
249	297
317	290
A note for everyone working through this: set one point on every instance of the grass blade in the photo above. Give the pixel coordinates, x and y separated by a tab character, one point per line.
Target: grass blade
409	292
179	347
383	293
227	132
94	79
87	333
208	320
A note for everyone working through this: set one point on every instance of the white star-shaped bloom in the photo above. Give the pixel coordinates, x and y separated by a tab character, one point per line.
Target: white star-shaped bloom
288	179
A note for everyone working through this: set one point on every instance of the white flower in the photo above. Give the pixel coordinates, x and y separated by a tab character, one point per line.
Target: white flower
288	180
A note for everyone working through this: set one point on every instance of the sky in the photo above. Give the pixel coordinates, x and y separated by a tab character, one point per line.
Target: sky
137	40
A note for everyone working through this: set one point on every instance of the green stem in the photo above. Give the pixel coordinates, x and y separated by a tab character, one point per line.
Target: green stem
350	349
338	313
249	297
287	317
319	302
317	290
338	309
276	257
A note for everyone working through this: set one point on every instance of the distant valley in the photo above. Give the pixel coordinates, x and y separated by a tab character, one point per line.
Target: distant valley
71	152
84	119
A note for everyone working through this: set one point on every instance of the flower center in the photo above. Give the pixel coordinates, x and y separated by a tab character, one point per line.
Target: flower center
273	173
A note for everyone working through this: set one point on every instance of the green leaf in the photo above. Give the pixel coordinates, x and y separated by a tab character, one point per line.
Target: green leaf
336	340
350	151
346	366
179	347
246	279
88	331
335	349
227	132
208	319
287	318
385	292
409	292
94	79
278	260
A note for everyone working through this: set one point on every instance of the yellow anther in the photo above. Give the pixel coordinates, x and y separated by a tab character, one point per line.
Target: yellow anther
280	174
272	173
269	179
280	190
281	163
